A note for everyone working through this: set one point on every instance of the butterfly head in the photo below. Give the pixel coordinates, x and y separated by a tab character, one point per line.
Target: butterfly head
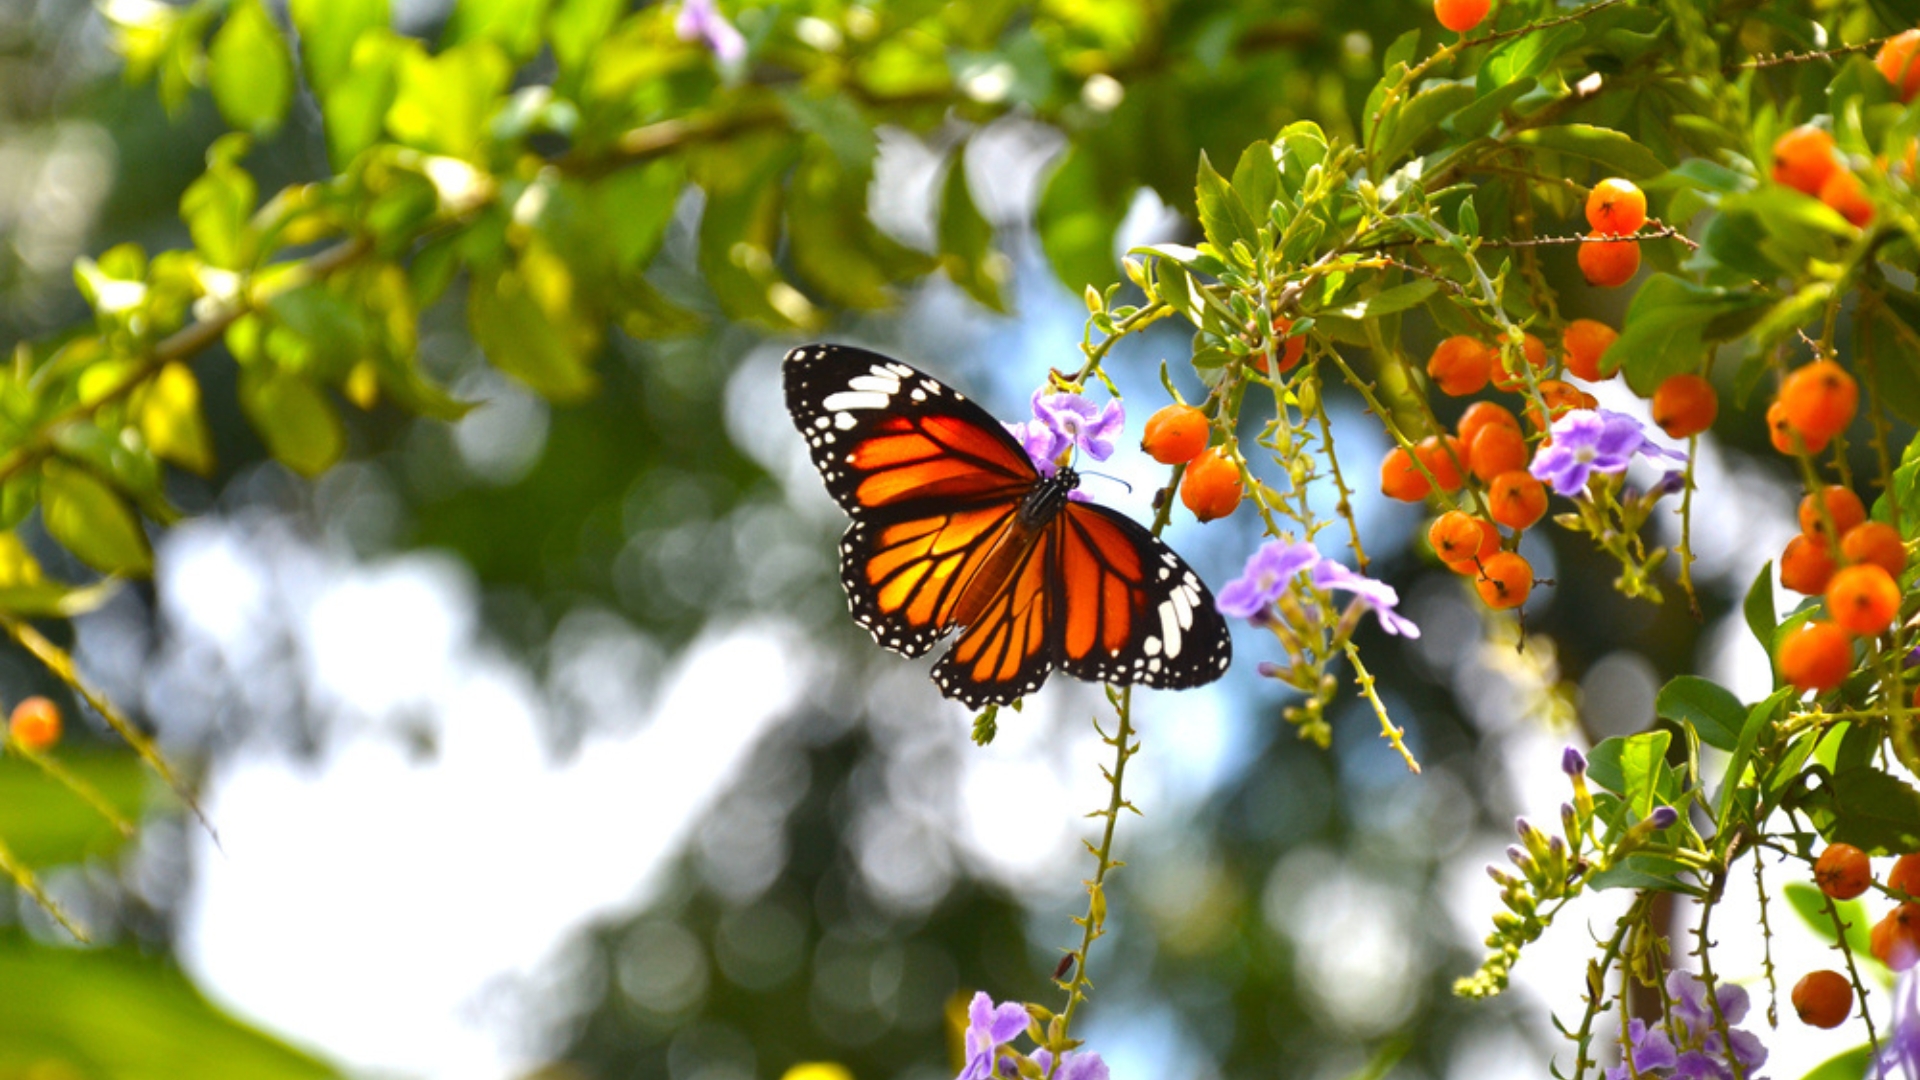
1048	495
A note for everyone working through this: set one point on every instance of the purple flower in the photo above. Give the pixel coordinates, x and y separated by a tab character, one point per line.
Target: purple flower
1270	570
1587	441
1379	595
1666	817
1042	444
700	21
1573	762
989	1026
1900	1048
1082	1066
1265	578
1701	1053
1081	423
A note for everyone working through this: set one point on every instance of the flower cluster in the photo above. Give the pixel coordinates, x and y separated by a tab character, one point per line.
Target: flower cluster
1691	1048
1063	422
1271	573
990	1028
1588	441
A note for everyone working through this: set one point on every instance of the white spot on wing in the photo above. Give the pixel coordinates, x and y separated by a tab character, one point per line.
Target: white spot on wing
1170	629
875	384
1183	608
853	399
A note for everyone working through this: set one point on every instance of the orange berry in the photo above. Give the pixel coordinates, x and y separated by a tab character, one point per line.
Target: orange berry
1896	61
1460	16
1816	657
1211	486
1480	415
1533	349
1823	999
1504	580
1460	539
1401	479
35	723
1444	457
1895	940
1844	509
1516	499
1175	434
1496	449
1685	405
1875	542
1460	365
1843	191
1863	599
1806	566
1584	343
1821	399
1785	436
1561	398
1290	352
1609	263
1905	875
1842	871
1803	158
1616	208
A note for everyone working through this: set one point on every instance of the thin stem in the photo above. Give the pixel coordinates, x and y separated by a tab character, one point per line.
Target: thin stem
1394	735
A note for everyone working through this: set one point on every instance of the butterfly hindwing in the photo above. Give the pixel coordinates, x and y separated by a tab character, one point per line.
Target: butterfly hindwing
1131	610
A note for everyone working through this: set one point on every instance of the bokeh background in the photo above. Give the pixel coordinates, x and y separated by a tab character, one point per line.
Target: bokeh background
540	742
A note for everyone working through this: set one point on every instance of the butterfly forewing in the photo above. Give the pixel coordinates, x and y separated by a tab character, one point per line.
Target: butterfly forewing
935	487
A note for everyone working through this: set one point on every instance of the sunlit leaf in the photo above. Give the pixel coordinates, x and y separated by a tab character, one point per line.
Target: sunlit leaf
517	336
514	25
91	520
444	101
300	426
171	421
329	30
250	69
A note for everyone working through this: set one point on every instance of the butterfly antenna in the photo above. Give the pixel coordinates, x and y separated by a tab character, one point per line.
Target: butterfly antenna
1109	476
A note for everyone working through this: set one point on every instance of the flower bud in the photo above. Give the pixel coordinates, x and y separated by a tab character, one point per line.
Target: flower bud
1573	762
1664	817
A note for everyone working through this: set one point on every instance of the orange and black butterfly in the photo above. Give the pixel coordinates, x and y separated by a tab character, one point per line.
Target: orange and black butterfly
954	528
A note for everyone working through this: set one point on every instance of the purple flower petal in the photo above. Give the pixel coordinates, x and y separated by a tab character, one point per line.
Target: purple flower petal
1379	595
1268	571
700	21
1085	1065
988	1026
1080	423
1042	444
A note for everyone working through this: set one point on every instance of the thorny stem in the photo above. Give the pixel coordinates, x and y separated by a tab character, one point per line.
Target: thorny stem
1345	508
1093	925
1766	942
1840	928
1597	972
1394	735
1702	953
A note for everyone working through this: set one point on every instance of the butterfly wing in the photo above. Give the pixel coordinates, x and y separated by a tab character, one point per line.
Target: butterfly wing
932	482
1100	597
1130	610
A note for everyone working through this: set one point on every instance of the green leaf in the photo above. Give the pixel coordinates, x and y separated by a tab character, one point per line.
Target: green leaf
1711	709
1758	607
218	204
1847	1065
514	25
1614	152
1402	126
577	27
838	122
329	29
444	102
250	70
295	419
118	1013
91	520
1646	872
1630	767
966	241
1390	301
1889	336
1478	118
834	244
740	230
46	823
522	341
1527	55
1810	904
362	94
1875	812
1256	179
1222	216
1077	221
171	421
1669	325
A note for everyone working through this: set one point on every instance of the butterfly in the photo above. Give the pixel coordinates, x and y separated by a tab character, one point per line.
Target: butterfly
955	529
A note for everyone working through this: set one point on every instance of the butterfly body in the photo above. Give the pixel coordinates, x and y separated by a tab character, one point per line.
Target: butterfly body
954	529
